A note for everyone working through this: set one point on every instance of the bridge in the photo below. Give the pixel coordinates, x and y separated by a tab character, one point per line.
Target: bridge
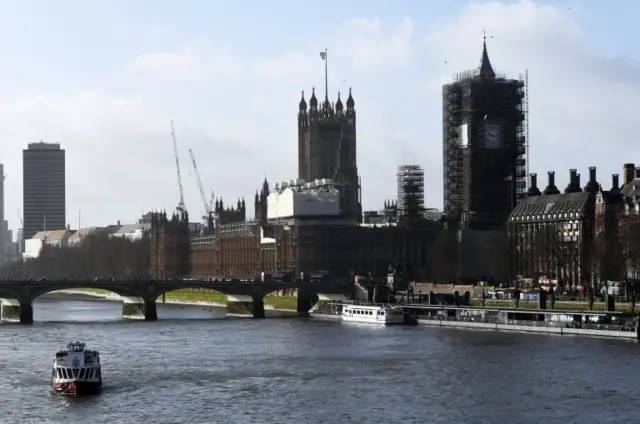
139	297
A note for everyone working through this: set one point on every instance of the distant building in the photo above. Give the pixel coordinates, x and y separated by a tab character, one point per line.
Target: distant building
484	145
20	242
327	148
296	198
410	180
9	247
79	236
132	232
34	245
44	201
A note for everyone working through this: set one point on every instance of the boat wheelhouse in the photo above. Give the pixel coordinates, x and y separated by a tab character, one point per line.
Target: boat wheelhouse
76	371
379	314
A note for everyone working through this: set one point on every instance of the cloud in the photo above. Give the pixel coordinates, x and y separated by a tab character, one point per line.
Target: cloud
370	46
578	97
237	111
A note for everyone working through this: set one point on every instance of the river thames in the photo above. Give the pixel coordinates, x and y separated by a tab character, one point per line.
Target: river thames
195	366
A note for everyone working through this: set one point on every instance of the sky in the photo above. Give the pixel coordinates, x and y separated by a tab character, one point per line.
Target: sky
106	78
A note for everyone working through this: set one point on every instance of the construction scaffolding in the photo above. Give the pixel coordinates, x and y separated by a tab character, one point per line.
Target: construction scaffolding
485	144
410	190
452	149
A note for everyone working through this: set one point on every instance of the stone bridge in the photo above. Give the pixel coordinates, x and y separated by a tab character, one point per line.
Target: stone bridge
139	297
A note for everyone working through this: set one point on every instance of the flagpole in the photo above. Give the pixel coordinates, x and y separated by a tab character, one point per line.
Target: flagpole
326	74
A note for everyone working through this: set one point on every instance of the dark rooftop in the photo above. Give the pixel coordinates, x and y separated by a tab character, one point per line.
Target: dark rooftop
554	207
631	189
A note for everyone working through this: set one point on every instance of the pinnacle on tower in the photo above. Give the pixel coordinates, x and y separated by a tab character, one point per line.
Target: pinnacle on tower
485	70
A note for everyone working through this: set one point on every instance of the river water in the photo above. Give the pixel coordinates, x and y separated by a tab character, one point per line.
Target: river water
195	366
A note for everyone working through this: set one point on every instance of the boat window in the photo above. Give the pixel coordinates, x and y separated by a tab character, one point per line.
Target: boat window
82	372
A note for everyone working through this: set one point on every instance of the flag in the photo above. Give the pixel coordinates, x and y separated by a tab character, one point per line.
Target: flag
323	55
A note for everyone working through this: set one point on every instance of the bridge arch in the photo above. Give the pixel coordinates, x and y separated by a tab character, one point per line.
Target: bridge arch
124	291
193	291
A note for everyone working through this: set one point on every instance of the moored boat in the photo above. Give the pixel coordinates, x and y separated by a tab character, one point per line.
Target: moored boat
377	314
76	371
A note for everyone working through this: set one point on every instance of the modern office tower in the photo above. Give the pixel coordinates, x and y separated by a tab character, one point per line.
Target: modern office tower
410	190
484	145
44	201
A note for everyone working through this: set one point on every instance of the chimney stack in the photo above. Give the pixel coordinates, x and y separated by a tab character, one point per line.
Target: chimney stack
577	184
573	180
638	172
628	172
533	186
592	186
551	188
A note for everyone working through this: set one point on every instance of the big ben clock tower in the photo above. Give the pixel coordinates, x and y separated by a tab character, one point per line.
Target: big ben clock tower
484	145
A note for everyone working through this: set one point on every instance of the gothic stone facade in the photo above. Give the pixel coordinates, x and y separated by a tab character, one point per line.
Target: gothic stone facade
246	249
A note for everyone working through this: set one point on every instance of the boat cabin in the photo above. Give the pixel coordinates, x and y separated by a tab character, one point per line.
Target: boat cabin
76	347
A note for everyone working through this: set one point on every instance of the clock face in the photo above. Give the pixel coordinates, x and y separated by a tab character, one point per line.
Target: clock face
492	135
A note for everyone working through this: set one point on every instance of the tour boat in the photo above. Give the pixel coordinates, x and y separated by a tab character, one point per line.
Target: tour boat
76	371
379	314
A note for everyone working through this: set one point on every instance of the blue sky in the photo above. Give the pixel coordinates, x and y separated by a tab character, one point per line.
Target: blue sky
104	79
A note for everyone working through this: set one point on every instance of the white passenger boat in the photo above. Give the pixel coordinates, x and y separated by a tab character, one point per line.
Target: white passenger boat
379	314
76	371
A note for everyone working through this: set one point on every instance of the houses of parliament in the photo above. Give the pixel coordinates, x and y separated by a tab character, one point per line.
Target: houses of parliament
315	221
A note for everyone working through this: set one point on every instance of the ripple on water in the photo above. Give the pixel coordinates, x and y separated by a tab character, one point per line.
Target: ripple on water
204	370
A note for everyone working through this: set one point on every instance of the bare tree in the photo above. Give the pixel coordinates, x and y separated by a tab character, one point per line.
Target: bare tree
97	256
560	254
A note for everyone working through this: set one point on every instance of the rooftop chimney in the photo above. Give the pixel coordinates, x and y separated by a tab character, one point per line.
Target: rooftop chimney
615	182
573	181
551	188
533	186
592	186
628	172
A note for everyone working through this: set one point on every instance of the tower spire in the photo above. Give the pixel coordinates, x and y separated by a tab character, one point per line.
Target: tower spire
485	70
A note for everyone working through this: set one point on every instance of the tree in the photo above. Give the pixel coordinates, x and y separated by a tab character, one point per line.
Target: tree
559	254
97	256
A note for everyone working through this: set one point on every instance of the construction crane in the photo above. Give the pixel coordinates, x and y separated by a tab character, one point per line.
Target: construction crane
181	207
207	208
211	200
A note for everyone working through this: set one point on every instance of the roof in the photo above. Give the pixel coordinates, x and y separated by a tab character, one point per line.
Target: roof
631	189
485	69
131	228
51	235
552	207
82	232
